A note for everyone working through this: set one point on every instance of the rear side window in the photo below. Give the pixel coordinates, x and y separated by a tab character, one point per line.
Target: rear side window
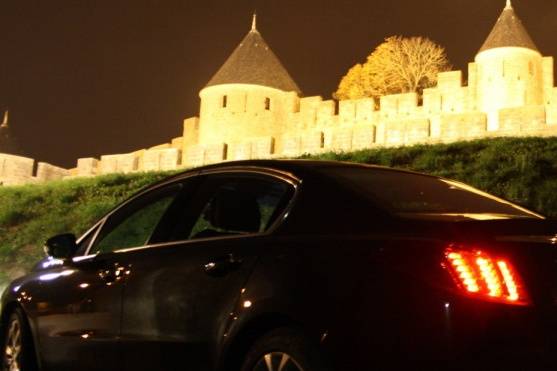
407	193
240	205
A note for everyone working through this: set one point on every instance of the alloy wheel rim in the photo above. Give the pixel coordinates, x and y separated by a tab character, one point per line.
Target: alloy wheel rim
13	347
277	361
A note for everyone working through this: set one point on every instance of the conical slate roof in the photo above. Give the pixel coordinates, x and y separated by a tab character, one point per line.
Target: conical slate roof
508	31
253	62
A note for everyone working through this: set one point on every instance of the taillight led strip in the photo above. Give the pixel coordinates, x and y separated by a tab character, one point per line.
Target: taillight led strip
486	277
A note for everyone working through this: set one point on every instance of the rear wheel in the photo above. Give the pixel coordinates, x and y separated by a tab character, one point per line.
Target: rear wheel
284	349
18	352
277	361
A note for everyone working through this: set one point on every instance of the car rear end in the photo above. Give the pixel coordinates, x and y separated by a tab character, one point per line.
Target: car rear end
405	304
503	303
462	280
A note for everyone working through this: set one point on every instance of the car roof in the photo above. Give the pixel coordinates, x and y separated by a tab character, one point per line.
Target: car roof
296	167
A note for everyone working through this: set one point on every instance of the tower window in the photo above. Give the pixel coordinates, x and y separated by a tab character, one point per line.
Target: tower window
267	104
224	101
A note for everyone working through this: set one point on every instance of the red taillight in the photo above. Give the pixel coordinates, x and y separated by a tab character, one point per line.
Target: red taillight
484	276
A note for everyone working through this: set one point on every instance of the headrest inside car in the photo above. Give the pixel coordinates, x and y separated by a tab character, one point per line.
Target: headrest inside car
236	211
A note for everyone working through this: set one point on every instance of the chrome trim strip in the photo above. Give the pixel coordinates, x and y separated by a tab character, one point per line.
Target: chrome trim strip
279	174
187	242
78	259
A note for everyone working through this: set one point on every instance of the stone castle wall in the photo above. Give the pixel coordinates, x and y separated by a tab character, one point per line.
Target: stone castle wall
239	122
448	113
16	170
252	126
510	92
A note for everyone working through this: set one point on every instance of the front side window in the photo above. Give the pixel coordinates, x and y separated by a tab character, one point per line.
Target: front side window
240	205
135	223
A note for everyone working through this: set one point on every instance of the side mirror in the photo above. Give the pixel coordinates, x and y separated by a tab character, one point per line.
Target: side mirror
63	246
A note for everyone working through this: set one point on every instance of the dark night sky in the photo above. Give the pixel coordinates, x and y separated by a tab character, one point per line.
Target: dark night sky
83	78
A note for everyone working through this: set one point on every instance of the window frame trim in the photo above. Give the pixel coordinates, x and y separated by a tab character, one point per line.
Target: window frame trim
281	175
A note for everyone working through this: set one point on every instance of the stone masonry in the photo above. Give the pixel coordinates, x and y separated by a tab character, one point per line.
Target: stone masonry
252	109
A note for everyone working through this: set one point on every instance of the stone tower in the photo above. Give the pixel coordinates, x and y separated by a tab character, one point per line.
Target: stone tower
510	69
249	96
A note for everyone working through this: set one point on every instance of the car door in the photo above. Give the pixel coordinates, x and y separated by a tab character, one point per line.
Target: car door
181	289
77	312
82	322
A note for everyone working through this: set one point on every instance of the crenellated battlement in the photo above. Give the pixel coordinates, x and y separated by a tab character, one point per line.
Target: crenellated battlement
293	125
449	112
254	110
16	170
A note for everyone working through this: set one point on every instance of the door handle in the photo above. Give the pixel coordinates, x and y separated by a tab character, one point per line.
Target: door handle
113	274
222	266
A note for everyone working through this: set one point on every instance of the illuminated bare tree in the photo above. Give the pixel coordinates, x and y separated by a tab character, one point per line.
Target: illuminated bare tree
398	65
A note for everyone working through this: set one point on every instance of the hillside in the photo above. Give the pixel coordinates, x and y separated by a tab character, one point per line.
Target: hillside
31	214
522	170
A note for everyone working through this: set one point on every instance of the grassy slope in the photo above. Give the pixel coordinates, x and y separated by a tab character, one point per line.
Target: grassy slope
522	170
30	214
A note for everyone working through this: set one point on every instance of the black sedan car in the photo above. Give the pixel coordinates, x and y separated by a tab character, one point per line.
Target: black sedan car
293	265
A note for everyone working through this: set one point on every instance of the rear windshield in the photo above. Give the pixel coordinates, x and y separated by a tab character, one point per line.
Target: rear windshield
421	195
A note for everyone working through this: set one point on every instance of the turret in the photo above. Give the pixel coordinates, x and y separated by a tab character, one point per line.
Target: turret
248	96
510	68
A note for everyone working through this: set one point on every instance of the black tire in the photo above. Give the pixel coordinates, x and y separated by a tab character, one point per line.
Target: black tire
17	332
286	345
